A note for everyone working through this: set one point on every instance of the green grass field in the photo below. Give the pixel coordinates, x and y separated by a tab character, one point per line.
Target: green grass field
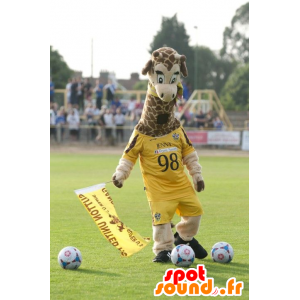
104	274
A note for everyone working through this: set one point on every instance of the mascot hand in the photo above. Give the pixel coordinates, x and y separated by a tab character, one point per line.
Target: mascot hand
198	182
192	163
118	179
122	172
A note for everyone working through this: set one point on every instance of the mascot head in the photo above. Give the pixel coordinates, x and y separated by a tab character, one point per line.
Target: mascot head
164	70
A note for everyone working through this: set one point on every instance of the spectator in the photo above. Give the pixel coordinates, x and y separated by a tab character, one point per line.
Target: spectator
74	96
62	109
100	123
68	88
96	110
61	122
80	94
54	106
200	119
115	104
131	105
99	93
218	124
73	122
51	91
102	111
136	114
52	122
110	91
209	119
89	113
123	108
108	123
186	91
87	91
120	122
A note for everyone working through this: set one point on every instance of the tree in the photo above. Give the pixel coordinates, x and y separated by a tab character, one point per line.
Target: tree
235	94
59	70
236	37
173	34
205	67
212	70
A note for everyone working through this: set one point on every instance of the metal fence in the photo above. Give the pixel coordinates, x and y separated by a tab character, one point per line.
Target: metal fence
119	136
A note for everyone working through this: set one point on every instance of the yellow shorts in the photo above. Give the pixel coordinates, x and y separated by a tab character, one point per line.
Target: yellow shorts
163	211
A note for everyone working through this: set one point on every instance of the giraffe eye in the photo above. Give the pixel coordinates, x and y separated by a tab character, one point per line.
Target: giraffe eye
160	78
173	78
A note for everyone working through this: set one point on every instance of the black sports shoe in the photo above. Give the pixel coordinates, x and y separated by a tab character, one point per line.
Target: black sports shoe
200	252
163	256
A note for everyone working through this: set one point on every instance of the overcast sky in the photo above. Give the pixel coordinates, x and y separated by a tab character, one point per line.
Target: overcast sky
123	30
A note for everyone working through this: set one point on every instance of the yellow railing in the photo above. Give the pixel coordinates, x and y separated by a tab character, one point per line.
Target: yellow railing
63	91
138	93
214	103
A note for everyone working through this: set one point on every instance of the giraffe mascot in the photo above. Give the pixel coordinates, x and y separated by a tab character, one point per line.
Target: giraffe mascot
163	149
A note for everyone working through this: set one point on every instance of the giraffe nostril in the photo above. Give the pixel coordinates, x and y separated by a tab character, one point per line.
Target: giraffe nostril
162	95
173	95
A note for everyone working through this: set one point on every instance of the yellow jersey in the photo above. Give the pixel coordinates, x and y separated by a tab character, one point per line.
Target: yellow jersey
161	163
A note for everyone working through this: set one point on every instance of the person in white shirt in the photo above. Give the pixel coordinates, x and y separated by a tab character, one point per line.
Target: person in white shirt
89	114
52	123
68	88
110	91
131	106
108	120
120	122
73	122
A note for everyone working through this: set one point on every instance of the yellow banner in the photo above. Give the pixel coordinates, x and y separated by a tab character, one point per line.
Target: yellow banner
100	207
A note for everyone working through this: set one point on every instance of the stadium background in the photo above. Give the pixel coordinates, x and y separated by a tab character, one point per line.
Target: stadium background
217	84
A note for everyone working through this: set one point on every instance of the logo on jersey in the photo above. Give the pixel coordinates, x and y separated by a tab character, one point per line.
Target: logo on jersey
162	145
165	150
157	216
175	136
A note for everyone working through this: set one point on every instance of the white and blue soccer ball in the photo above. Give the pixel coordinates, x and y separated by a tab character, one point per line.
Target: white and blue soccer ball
69	258
182	256
222	252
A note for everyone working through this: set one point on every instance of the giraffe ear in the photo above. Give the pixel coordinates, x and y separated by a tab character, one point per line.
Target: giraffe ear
147	67
183	68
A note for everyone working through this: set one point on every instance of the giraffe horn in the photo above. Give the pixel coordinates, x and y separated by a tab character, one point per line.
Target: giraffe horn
156	54
179	57
182	58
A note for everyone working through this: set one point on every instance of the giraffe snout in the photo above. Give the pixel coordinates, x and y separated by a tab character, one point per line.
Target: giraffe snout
166	92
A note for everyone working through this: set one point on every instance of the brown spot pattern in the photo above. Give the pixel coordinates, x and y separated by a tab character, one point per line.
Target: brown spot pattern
168	58
153	107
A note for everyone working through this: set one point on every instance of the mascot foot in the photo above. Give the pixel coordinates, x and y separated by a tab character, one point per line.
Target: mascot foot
163	256
200	252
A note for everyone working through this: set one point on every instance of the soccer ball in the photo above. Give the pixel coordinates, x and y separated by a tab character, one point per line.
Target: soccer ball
182	256
222	252
69	258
